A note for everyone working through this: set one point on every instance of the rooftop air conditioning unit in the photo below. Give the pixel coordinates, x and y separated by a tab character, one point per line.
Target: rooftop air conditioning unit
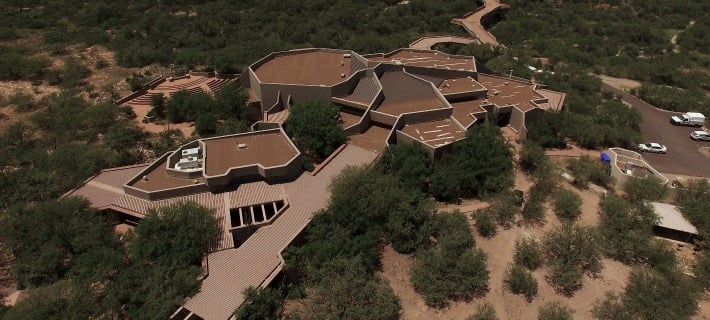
347	55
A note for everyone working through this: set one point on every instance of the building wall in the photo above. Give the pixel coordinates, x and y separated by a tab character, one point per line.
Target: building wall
441	73
382	118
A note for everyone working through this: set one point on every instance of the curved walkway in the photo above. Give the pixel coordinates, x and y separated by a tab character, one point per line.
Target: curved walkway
472	22
426	43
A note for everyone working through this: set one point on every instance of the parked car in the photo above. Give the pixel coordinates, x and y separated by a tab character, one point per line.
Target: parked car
693	119
700	135
652	147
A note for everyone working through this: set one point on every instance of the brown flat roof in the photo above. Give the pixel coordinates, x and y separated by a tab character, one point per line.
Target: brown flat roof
463	110
435	133
504	91
372	139
457	85
306	68
404	93
348	119
427	59
267	148
158	179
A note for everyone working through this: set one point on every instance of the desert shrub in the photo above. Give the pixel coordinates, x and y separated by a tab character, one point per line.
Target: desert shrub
651	295
484	311
101	64
702	270
567	204
546	178
454	270
485	225
260	304
625	229
586	170
647	188
534	210
502	210
23	102
532	156
554	311
571	251
528	254
521	281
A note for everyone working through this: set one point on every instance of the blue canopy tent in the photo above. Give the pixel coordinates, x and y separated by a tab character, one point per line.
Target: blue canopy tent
605	158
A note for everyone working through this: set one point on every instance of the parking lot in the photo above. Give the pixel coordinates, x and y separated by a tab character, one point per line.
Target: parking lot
683	157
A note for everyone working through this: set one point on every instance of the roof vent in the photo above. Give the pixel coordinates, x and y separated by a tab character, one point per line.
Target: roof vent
145	178
342	63
342	75
242	146
196	181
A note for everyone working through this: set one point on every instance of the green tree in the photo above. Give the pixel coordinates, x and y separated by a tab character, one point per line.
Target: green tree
528	254
554	310
409	162
206	124
626	229
260	304
570	251
158	106
193	231
567	204
484	224
647	188
315	129
478	165
45	252
532	156
331	295
455	270
652	295
61	300
521	281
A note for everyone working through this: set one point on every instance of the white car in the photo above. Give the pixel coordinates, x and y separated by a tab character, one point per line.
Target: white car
700	135
653	147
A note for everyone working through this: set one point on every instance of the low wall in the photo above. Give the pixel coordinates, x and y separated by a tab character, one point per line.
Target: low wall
143	90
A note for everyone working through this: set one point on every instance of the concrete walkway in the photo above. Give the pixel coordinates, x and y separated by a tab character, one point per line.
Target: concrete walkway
426	43
258	260
472	22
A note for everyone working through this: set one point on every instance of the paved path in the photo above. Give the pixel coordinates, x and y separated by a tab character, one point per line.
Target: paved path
472	23
254	263
426	43
683	157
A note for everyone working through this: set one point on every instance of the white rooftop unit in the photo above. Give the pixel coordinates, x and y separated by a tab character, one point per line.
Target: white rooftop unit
190	152
188	163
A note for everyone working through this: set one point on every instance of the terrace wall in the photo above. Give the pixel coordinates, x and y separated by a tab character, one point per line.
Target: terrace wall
143	90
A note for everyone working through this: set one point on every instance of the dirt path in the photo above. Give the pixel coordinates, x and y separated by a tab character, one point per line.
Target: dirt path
674	38
620	83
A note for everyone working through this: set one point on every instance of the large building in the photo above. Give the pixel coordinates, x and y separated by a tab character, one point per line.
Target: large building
254	181
406	95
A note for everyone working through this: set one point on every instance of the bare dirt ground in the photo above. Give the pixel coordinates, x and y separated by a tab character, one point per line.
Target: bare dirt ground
620	83
102	83
500	249
8	283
